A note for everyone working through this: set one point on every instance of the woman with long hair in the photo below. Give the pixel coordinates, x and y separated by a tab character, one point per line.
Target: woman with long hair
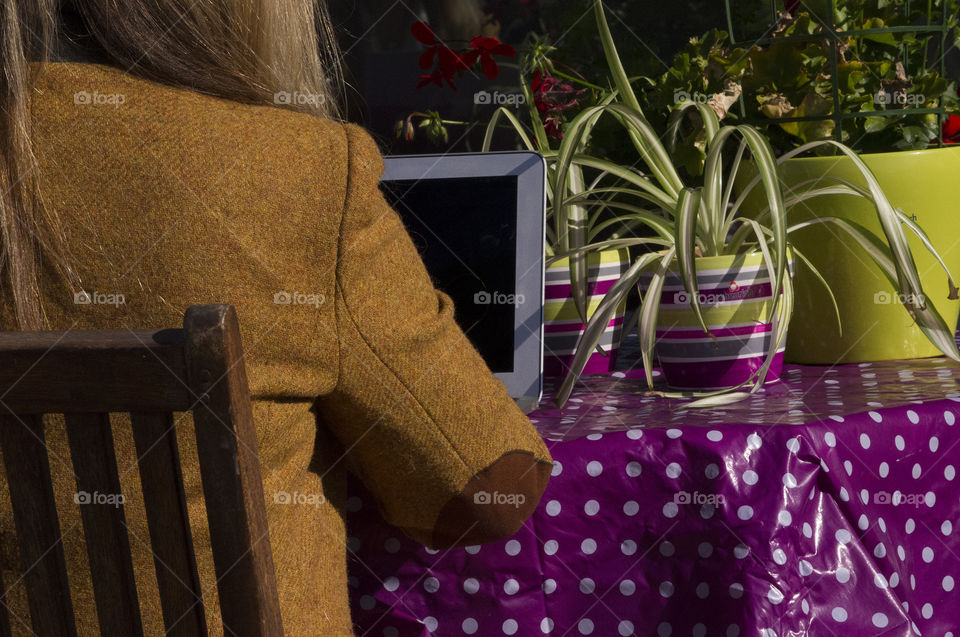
157	154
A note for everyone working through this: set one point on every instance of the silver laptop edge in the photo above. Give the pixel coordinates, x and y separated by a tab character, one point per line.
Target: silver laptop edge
525	382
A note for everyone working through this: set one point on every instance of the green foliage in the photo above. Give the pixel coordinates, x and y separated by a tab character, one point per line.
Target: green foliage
886	72
645	203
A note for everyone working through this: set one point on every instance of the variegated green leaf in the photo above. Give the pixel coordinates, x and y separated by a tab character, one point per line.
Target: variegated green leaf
688	210
646	189
598	323
649	312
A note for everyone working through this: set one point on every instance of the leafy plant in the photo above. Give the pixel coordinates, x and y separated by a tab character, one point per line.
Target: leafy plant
883	77
672	222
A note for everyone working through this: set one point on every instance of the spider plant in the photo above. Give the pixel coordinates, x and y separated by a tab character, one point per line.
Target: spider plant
670	223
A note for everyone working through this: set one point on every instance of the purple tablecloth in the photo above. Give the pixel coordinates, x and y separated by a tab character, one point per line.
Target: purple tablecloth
825	505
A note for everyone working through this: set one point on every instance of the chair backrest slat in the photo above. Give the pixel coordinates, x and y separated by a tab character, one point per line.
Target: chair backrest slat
96	371
101	509
4	614
169	524
23	444
149	374
230	468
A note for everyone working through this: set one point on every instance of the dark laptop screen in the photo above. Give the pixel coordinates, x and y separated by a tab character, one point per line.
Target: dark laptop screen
466	232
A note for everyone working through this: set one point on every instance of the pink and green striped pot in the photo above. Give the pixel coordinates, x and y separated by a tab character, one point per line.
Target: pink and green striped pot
736	295
562	326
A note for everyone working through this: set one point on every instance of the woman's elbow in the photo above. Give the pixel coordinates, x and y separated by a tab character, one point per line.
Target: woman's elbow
494	504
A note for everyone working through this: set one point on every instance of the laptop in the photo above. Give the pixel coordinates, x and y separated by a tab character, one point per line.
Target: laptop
477	220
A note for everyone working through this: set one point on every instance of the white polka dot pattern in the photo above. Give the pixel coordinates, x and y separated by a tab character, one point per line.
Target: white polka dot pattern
669	523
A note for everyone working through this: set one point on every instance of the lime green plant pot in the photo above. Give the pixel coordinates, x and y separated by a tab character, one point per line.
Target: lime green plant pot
875	323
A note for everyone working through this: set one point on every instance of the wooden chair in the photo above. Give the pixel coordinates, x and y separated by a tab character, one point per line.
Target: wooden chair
150	374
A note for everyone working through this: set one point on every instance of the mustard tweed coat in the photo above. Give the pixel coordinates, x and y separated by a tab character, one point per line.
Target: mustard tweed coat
171	198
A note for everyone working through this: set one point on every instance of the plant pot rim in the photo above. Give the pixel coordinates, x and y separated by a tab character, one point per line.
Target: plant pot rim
724	259
593	255
902	154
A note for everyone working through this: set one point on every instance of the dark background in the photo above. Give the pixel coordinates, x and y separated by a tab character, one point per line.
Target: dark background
381	55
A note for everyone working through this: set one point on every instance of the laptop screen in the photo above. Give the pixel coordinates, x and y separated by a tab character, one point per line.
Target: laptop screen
466	231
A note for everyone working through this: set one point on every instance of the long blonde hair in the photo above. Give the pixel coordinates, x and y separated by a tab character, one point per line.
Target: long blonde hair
250	51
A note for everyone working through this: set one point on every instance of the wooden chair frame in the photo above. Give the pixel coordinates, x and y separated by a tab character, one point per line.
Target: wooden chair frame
149	374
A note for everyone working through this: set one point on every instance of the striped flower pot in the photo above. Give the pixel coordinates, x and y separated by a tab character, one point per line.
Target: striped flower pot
736	295
562	326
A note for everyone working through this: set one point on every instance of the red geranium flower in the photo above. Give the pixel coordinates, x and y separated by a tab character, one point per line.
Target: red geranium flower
449	61
951	130
548	93
485	48
951	127
423	32
437	77
552	97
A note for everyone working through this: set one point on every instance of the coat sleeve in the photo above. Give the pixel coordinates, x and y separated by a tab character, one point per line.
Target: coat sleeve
433	434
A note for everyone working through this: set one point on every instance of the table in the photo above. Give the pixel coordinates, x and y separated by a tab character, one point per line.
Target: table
827	504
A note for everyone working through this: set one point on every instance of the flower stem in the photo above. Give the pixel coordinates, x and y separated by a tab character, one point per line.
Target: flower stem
576	80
